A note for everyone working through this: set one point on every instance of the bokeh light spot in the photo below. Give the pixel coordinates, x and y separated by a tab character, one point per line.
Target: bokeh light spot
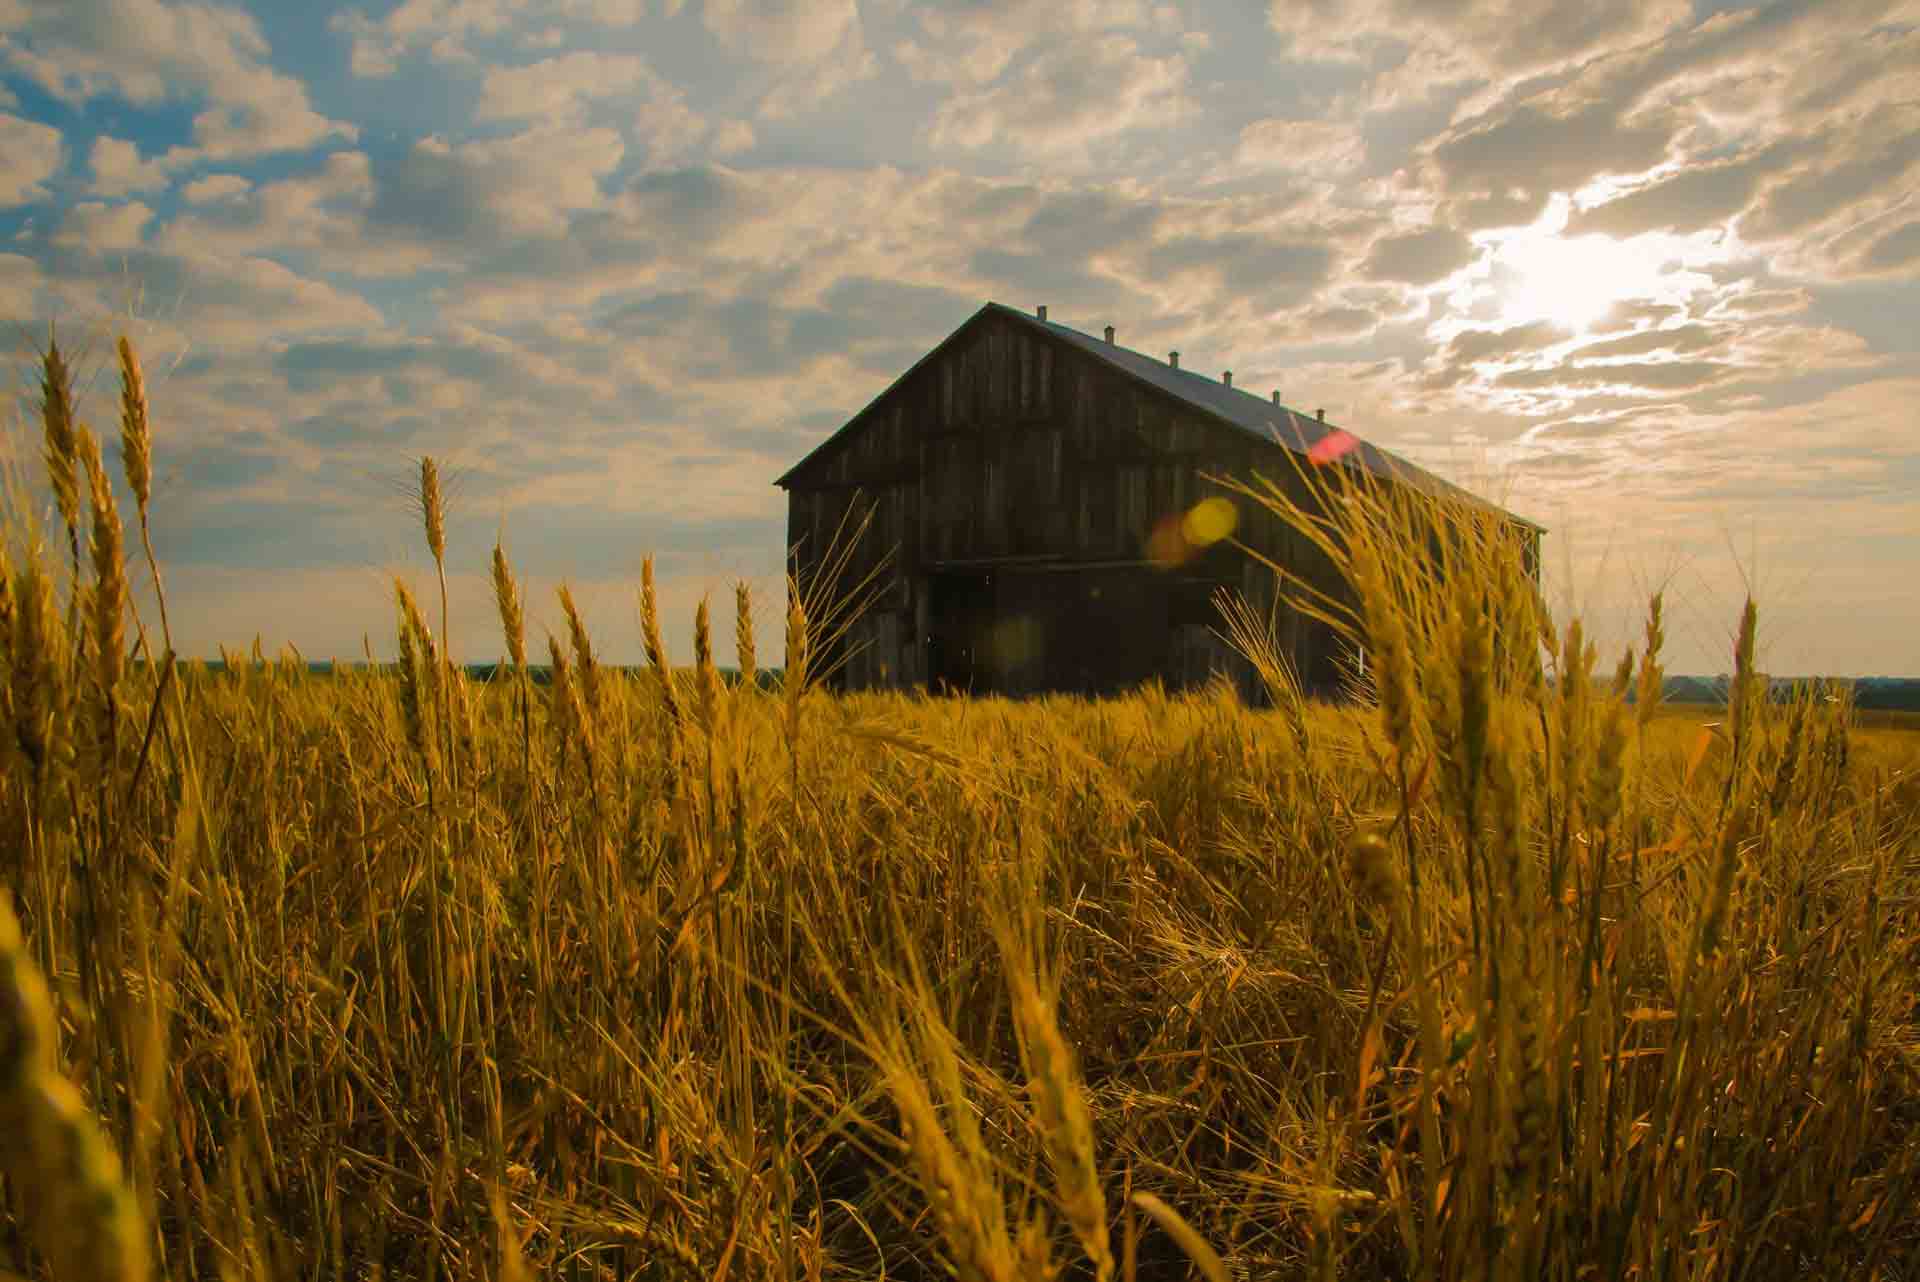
1209	521
1331	446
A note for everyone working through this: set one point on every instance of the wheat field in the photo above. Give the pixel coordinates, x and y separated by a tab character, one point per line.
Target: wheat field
1493	974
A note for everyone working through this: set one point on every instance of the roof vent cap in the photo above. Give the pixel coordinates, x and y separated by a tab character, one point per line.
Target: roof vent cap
1276	396
1173	359
1320	415
1227	378
1109	333
1041	311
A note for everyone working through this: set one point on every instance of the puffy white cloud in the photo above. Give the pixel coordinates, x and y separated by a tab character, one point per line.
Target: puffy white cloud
148	52
556	90
213	302
965	43
732	138
1072	94
321	212
783	31
441	26
119	169
34	154
95	226
524	184
19	281
1439	43
1320	147
215	187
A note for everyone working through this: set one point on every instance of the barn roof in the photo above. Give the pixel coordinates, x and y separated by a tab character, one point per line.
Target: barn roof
1256	416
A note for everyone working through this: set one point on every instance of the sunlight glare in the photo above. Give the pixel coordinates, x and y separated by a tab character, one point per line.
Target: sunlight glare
1537	273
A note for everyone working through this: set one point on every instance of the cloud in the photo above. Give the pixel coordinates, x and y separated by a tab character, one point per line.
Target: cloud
525	184
732	138
795	32
817	47
1540	149
118	169
1319	147
95	226
1411	47
148	52
1483	344
443	26
19	281
1679	340
1897	252
1687	202
1251	262
221	303
216	187
966	43
34	154
1066	97
1418	258
322	213
559	89
1340	322
1856	162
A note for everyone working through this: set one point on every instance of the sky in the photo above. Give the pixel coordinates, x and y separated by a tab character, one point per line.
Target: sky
1644	271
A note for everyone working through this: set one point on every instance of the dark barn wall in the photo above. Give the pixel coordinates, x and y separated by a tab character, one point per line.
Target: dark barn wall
1014	481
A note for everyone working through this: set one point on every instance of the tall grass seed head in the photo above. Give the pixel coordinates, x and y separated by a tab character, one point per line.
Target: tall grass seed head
797	654
707	673
36	671
418	665
1650	689
587	668
1608	772
109	601
506	596
743	634
56	414
654	646
433	512
1066	1129
136	430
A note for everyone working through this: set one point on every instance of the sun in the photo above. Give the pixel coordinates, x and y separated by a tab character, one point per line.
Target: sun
1538	273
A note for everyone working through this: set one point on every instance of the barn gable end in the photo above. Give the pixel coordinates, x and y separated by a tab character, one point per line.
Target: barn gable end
1016	475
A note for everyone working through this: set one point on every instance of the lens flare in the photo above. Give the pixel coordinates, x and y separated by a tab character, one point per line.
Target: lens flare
1167	546
1209	521
1179	537
1331	446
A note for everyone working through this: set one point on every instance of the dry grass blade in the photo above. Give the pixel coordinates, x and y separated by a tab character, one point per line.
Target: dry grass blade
1176	1227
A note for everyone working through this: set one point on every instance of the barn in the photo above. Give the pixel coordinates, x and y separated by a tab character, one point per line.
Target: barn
1015	478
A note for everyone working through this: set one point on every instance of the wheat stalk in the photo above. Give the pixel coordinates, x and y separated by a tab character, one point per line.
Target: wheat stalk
656	650
743	634
706	673
585	665
79	1209
57	420
513	621
1060	1107
136	458
109	599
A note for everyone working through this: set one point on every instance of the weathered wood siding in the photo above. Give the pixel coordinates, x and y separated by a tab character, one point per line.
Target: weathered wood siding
1012	453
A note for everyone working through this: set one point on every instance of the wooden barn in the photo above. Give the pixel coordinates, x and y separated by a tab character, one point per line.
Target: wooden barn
1017	475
